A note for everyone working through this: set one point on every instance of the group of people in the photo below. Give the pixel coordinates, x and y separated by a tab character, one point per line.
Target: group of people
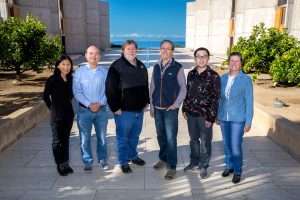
207	98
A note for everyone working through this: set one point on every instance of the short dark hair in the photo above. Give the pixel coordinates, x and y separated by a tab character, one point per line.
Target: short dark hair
61	58
201	49
127	42
238	54
169	41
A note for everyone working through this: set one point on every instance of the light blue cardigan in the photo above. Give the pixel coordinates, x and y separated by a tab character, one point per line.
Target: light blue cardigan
239	106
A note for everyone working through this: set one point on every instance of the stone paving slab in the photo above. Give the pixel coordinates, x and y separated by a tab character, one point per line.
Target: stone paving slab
27	170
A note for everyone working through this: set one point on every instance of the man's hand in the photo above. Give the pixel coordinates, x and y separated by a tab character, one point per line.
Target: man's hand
118	112
151	114
94	107
172	107
184	115
207	124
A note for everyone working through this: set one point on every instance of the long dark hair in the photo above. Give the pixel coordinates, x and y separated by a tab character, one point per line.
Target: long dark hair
56	69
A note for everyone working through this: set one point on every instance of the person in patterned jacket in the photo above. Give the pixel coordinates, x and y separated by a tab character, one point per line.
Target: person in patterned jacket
200	109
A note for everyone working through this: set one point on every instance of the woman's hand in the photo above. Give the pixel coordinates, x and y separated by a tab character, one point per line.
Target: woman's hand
247	129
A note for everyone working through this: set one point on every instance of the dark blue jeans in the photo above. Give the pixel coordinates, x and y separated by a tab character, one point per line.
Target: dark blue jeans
232	133
166	123
128	130
200	141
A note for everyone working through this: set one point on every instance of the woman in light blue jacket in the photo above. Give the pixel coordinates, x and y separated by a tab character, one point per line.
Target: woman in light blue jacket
235	114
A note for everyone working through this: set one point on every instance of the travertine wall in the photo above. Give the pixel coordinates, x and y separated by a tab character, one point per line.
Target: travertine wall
220	14
208	21
76	26
86	21
104	25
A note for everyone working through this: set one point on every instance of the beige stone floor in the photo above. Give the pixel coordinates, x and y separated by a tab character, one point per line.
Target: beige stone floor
27	169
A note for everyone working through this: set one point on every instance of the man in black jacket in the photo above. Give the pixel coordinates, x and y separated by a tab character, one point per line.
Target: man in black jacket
127	94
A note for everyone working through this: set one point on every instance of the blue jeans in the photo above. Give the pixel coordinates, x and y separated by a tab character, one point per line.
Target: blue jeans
200	141
232	133
128	129
166	123
85	121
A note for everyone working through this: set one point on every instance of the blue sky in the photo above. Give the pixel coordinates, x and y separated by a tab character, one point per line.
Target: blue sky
147	19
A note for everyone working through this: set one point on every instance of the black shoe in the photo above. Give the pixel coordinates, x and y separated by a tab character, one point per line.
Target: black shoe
68	169
138	161
62	170
226	172
126	169
236	178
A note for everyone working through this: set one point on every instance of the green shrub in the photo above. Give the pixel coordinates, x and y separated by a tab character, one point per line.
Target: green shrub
261	47
285	69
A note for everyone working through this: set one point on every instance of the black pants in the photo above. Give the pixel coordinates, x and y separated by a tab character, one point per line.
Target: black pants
60	141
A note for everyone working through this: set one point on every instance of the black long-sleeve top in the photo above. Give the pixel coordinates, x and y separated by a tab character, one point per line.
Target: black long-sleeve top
203	93
58	96
126	86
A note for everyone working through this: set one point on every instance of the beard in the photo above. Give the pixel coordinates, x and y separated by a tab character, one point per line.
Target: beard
130	58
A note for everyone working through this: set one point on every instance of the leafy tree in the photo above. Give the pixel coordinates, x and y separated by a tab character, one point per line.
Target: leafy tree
269	47
25	45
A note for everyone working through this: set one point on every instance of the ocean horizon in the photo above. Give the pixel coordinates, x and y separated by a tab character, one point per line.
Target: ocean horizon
149	44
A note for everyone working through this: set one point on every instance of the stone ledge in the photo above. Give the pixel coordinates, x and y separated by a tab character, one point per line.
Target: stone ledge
13	126
283	132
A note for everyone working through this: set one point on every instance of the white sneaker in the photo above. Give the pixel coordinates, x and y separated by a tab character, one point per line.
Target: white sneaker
103	164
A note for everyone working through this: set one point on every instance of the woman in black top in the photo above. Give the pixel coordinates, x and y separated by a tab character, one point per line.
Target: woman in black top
57	96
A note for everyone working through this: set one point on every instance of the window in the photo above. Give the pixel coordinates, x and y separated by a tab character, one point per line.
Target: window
280	16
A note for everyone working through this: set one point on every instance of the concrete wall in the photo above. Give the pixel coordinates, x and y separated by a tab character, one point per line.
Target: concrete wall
207	21
76	26
219	25
202	19
251	13
104	25
20	121
190	25
3	10
282	131
293	20
86	21
40	8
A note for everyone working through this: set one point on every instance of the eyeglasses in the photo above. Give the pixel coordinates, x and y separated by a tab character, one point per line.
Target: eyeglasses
201	57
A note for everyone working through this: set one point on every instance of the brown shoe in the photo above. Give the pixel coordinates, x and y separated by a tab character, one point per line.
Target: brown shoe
159	165
170	174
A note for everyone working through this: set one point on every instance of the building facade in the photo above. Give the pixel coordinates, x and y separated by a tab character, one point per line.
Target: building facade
217	24
79	23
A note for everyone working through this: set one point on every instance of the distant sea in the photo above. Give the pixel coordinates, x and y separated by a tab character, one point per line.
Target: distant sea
150	44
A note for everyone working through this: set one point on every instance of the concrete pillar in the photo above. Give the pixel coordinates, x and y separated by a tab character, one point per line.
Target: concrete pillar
76	27
294	18
190	25
219	39
202	18
93	22
104	25
38	8
3	10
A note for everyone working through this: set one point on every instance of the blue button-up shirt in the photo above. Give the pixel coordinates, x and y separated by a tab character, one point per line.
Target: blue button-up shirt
89	85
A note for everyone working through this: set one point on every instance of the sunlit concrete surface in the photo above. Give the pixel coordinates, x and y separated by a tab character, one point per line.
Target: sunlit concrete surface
28	171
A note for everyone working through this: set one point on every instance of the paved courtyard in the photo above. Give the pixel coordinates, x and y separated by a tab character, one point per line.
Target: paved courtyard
28	171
